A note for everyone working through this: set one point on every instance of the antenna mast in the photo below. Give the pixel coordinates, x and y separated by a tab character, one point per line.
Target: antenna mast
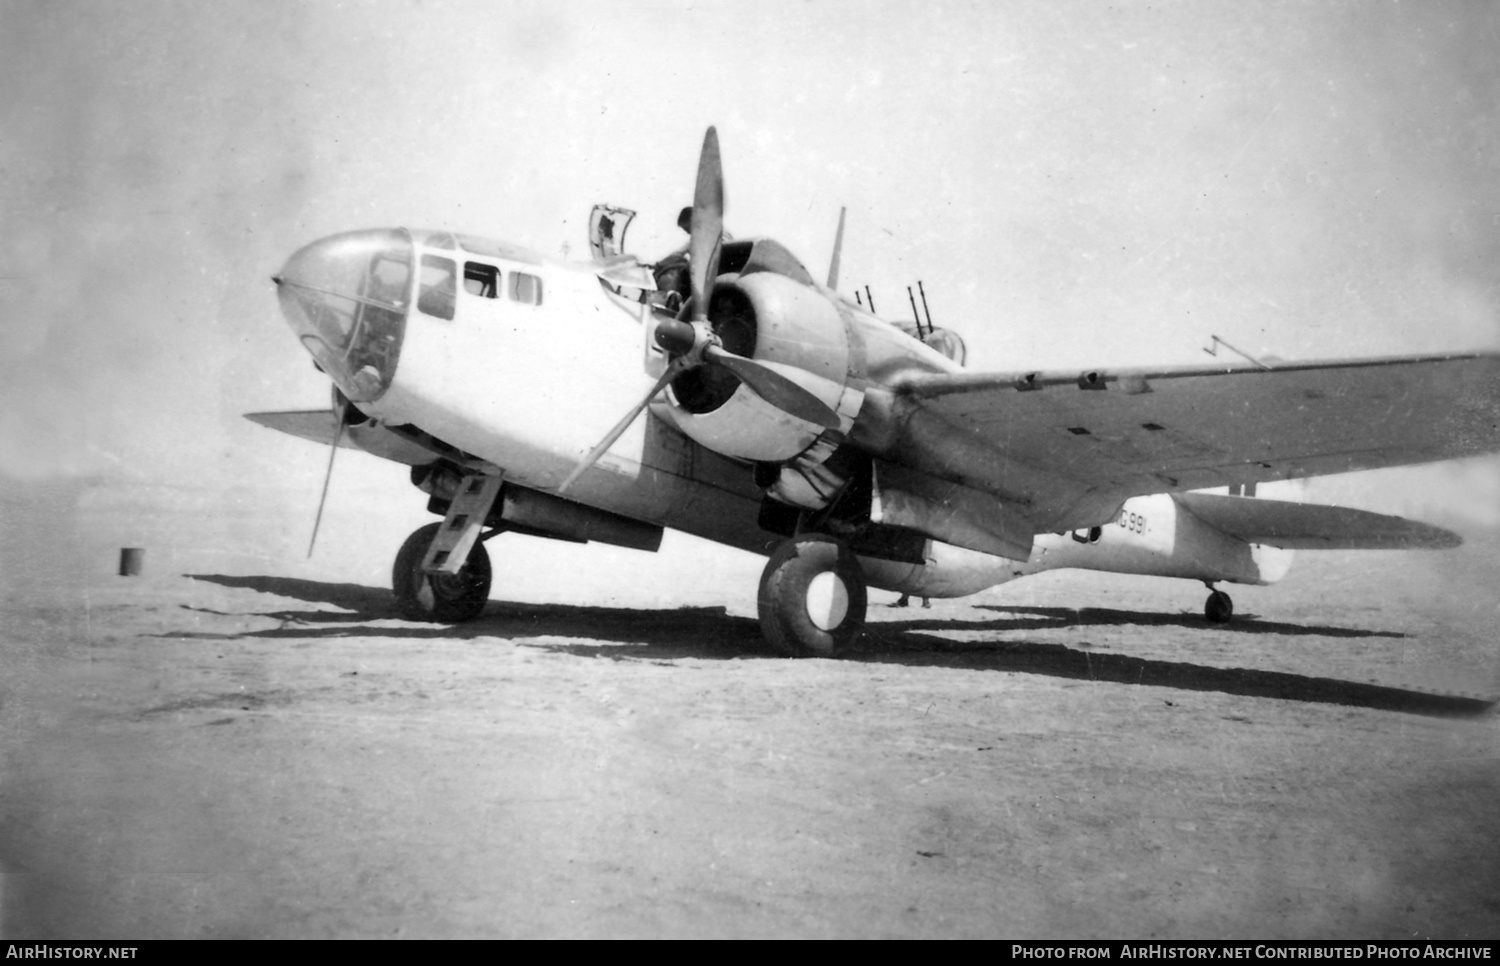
1213	350
838	249
924	305
915	317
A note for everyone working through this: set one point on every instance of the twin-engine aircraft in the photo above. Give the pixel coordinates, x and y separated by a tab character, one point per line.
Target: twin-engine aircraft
784	418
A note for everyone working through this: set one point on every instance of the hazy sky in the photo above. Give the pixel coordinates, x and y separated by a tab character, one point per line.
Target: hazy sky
1076	184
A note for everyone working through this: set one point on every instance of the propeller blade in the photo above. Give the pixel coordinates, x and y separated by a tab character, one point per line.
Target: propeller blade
707	230
774	388
340	412
593	455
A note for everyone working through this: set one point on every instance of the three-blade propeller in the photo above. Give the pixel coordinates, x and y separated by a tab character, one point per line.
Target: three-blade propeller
693	343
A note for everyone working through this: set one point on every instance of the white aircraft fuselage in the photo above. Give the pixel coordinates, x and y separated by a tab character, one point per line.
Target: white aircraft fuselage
521	361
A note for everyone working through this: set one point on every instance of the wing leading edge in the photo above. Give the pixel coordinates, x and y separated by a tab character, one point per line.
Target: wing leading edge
1069	444
412	448
316	425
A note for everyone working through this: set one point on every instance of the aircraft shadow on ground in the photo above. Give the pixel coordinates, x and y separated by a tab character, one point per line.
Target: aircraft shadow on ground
1039	618
663	634
660	635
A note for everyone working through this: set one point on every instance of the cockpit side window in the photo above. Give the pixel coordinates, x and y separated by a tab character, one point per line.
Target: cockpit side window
525	288
481	280
387	279
437	287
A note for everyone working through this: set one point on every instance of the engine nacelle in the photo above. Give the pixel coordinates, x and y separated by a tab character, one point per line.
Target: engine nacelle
788	326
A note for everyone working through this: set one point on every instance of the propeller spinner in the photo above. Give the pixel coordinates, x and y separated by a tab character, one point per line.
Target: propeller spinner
691	343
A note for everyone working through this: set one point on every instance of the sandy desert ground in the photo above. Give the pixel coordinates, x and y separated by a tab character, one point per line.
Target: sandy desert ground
243	743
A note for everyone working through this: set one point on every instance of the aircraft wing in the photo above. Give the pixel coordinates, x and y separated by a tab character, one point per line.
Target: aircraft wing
372	437
312	424
1068	447
1311	526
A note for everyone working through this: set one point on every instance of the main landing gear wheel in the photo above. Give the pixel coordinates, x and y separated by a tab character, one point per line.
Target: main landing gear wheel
812	597
440	598
1219	608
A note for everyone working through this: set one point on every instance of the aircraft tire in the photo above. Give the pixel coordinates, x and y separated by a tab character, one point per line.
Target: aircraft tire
1219	608
439	598
812	597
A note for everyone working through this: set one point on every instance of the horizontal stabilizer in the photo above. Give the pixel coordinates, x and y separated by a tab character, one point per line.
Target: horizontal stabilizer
1312	526
315	424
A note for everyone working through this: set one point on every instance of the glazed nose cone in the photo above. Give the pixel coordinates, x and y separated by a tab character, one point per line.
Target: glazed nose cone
345	297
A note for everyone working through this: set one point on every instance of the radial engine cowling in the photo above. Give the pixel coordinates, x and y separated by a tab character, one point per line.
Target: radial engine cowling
788	326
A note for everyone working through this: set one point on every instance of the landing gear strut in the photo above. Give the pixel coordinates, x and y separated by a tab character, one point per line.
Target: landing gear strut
1219	608
439	597
812	597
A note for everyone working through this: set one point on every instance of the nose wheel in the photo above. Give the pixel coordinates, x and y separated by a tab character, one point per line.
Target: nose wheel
812	597
439	597
1218	608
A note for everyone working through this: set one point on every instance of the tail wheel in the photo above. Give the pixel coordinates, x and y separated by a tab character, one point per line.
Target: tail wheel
440	598
1219	608
812	597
